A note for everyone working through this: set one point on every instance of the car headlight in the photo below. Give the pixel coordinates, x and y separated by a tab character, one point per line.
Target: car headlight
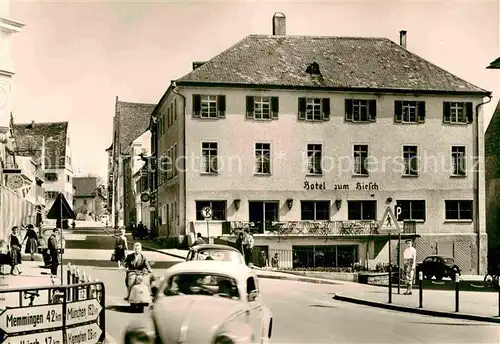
223	340
138	337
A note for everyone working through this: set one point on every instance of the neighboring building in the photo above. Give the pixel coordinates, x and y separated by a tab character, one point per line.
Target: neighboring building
492	159
55	156
88	201
7	197
131	120
140	177
307	140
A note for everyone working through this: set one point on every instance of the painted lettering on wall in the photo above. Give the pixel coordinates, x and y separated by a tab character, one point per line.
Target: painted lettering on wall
322	186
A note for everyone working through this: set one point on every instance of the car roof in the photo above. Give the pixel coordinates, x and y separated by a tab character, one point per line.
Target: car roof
213	246
236	270
439	256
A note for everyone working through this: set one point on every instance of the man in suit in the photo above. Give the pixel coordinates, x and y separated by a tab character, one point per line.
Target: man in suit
135	262
53	251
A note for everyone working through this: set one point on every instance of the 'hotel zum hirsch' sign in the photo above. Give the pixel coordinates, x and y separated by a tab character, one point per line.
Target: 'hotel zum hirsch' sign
358	186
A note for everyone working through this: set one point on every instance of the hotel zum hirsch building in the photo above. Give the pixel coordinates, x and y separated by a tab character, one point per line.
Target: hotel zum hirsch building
306	140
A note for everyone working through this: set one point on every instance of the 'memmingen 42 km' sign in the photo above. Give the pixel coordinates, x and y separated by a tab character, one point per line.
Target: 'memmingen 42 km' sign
48	324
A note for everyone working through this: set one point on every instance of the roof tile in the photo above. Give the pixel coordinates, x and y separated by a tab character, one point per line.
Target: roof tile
133	121
30	137
344	62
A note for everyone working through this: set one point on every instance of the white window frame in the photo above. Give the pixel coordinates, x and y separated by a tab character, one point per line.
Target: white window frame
407	169
311	165
262	108
260	161
409	111
457	155
314	109
208	106
360	110
458	109
357	155
210	157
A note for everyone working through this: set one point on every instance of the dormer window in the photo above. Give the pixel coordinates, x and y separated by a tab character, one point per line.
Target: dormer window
313	69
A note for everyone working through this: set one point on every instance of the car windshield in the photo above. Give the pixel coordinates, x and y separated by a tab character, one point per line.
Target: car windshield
202	284
221	255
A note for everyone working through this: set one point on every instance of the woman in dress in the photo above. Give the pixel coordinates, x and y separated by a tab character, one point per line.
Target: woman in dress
121	248
15	252
32	244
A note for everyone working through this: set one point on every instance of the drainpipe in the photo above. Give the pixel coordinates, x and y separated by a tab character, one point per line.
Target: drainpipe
176	91
476	182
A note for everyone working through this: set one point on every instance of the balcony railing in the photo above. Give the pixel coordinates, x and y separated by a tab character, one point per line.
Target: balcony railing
311	228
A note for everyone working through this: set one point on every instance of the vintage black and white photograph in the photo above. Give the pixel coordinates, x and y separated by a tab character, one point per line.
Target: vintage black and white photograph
249	172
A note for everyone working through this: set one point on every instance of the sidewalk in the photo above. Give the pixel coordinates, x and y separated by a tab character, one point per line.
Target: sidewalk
482	306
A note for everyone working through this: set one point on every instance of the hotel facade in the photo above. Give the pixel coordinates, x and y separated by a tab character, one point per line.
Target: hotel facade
307	140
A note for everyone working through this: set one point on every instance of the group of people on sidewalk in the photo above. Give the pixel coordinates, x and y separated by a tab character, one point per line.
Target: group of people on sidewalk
11	249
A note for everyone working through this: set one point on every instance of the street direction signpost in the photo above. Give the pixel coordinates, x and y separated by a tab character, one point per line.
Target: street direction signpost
207	213
87	334
82	311
14	320
52	337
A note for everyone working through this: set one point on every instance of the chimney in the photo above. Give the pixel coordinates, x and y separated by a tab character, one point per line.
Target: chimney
402	38
279	24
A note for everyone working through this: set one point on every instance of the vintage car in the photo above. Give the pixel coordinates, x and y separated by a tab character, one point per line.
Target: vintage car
438	266
209	302
215	252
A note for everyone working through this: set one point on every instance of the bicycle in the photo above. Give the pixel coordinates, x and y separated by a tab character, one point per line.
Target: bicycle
491	280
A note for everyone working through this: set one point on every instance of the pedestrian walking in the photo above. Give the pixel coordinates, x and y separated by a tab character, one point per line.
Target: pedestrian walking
15	251
239	242
410	261
31	239
121	248
53	251
248	243
275	261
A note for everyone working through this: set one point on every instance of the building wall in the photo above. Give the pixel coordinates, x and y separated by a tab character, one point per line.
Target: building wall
236	137
169	191
62	184
91	206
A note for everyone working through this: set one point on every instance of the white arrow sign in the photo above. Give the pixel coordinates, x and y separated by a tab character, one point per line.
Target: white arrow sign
82	311
53	337
87	334
14	320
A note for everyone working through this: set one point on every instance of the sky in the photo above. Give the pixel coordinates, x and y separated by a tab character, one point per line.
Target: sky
74	57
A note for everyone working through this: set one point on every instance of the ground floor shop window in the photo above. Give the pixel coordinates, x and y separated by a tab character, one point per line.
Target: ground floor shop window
315	210
218	210
362	210
262	214
458	210
334	256
411	210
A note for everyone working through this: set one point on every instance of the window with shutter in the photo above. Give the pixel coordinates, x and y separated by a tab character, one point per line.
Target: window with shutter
360	110
262	108
409	112
302	109
348	110
221	106
458	112
250	107
326	109
196	105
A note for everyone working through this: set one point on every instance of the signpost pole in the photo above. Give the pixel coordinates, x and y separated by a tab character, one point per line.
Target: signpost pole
390	269
399	263
208	231
62	238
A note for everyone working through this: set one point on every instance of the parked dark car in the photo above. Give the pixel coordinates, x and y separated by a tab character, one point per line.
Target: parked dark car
439	267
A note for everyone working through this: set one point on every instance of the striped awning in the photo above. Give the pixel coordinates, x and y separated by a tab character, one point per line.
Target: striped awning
14	211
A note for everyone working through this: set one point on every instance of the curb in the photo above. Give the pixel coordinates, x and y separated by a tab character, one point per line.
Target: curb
298	279
422	311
